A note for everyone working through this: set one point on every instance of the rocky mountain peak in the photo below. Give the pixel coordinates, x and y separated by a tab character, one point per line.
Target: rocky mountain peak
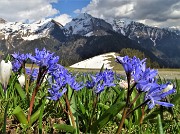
30	31
2	20
85	24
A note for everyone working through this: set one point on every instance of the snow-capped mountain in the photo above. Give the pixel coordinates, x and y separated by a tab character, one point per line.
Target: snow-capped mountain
174	29
140	32
2	21
119	25
86	36
87	25
26	31
14	33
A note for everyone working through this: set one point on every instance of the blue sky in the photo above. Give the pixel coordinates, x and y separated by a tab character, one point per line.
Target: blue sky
162	13
69	6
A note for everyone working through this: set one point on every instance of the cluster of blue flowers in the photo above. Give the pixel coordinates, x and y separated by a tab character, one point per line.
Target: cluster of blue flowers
101	80
20	60
48	65
62	78
145	81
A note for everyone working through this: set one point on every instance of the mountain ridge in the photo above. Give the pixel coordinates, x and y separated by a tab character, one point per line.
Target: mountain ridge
86	36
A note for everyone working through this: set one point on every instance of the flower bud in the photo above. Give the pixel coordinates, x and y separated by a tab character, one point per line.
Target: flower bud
5	73
169	87
123	84
21	80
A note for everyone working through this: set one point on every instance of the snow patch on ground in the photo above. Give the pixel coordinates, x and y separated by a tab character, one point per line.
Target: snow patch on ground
96	62
154	41
89	34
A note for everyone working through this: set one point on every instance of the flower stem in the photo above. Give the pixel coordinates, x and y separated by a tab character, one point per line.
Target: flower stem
136	97
122	120
38	83
127	104
142	104
32	102
70	112
143	113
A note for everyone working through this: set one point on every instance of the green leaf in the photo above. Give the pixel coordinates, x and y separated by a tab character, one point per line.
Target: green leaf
102	68
177	85
137	112
41	116
108	115
176	99
73	107
8	57
5	116
160	127
81	106
20	91
35	116
19	114
152	115
64	127
117	90
119	116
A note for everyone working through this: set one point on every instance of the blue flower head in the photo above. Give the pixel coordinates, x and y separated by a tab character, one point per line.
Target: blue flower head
129	64
56	94
19	60
62	78
16	65
20	57
144	78
155	95
145	81
101	80
126	63
33	73
44	58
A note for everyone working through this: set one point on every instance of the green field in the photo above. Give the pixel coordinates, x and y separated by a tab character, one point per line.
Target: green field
163	73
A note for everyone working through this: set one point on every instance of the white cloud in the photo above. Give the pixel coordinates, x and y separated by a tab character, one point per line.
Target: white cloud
63	19
160	12
22	10
77	11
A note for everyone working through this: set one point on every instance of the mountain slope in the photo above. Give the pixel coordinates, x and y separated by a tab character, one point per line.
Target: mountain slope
86	36
164	43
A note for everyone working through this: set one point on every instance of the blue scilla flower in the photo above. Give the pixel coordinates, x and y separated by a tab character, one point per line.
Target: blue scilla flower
74	84
144	78
61	78
16	65
129	64
19	60
90	84
33	73
20	57
126	63
156	94
55	92
101	80
44	58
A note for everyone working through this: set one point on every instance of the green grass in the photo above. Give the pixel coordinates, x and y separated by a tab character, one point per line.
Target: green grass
48	113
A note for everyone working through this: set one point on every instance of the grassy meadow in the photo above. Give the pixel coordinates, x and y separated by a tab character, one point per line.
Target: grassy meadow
85	111
51	117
